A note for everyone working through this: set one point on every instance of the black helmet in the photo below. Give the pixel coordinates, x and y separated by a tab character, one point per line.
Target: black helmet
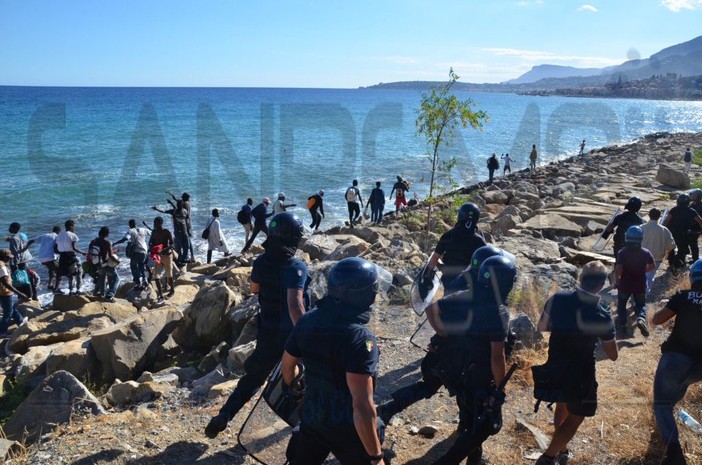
498	274
353	281
286	228
696	194
696	271
633	204
468	215
683	200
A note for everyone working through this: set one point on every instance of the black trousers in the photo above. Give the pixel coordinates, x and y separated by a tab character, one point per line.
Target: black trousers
693	238
256	229
682	245
312	444
316	218
354	211
268	352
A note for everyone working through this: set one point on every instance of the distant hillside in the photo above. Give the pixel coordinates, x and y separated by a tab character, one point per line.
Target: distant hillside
683	59
553	71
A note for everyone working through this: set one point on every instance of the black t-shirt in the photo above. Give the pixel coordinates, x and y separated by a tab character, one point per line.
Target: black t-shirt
456	247
686	336
681	219
697	206
577	321
275	278
331	347
622	222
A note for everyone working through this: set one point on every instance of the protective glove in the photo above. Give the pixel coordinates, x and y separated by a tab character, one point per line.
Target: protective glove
426	282
493	412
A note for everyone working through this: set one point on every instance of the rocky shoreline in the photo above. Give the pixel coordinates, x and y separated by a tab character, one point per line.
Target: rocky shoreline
190	350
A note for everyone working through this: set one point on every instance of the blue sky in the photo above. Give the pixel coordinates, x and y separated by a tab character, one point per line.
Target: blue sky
326	43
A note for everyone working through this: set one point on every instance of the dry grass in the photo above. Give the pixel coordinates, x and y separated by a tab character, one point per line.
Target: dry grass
530	298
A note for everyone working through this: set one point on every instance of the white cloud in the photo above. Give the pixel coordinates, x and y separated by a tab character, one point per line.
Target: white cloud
547	57
588	7
526	3
679	5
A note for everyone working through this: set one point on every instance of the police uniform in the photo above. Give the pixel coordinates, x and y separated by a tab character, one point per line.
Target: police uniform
577	320
681	362
456	246
474	327
331	341
681	220
276	274
695	231
622	223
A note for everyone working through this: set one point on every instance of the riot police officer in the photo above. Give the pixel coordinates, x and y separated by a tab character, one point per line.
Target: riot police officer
679	221
622	222
279	279
695	229
482	330
340	356
456	246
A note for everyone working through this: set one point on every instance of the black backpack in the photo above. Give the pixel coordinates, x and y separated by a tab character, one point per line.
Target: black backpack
243	217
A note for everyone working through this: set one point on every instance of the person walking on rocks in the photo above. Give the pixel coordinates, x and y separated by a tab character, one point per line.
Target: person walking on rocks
354	202
399	189
457	245
69	264
161	253
106	267
695	228
680	365
279	279
492	165
315	204
620	224
576	320
259	214
279	206
582	147
19	245
179	215
507	160
8	295
215	239
377	203
658	240
633	262
679	221
340	355
138	250
244	217
687	159
532	158
47	255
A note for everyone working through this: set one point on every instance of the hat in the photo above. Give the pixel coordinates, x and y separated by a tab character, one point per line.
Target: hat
266	200
281	195
321	192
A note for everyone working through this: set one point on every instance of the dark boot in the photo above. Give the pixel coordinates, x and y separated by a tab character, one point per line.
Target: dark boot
674	455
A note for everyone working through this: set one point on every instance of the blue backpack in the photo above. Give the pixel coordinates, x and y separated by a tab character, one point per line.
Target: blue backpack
20	278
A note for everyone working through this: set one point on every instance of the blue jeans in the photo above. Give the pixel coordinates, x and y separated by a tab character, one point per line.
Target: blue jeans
639	305
136	265
376	213
675	373
107	272
182	244
9	312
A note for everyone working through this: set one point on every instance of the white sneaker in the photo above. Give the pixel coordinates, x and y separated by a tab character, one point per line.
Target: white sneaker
24	321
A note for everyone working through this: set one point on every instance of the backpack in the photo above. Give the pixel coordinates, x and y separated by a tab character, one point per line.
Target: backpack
406	185
129	251
242	217
351	194
93	255
311	203
20	278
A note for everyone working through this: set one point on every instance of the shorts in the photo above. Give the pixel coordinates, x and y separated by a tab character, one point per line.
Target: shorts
51	265
400	201
587	406
166	266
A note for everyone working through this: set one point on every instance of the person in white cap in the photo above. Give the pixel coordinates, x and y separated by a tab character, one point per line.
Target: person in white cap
279	206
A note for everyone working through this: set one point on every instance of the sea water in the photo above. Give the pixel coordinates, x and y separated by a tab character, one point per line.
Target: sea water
101	156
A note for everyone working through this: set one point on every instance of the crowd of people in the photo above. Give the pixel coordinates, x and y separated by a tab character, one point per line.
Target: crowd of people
468	353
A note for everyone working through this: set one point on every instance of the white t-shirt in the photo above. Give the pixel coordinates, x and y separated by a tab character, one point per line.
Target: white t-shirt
138	236
4	272
65	241
46	247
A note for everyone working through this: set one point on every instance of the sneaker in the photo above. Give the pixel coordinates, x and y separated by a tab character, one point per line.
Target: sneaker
171	293
674	455
562	457
160	300
216	425
476	457
58	292
78	293
643	327
110	298
546	460
24	321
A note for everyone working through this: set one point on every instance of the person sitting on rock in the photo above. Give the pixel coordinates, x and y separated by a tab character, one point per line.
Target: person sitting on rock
679	221
618	226
633	262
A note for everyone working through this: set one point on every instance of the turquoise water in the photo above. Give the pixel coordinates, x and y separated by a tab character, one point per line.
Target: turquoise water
104	155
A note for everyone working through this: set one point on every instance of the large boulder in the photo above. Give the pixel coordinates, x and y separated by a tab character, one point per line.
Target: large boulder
59	331
30	369
495	197
318	246
64	302
204	320
238	278
75	357
239	354
184	295
127	348
52	403
553	225
117	311
671	177
347	250
132	392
